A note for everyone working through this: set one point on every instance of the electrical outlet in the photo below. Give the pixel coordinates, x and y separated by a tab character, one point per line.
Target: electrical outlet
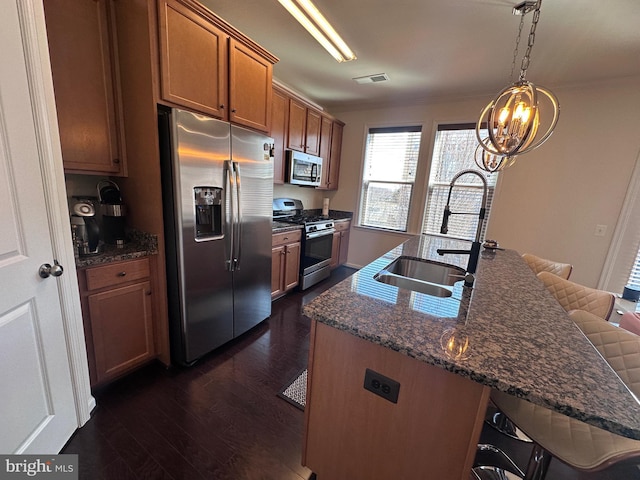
383	386
600	230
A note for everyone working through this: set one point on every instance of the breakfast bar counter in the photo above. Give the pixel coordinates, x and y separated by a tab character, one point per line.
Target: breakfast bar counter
507	332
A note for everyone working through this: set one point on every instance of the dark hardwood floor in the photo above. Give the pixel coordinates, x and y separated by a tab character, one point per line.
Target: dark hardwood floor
221	419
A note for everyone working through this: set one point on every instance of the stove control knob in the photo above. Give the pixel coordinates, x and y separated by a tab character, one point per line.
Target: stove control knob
313	228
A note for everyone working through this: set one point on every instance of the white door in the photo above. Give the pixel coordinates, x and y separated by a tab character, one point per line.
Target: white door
37	407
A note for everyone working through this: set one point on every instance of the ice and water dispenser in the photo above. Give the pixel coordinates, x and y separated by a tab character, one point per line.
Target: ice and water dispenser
208	201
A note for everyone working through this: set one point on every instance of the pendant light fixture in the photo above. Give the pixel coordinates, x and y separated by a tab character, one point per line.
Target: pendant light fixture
513	117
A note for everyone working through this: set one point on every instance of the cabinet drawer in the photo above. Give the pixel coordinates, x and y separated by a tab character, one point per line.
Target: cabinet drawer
116	274
342	226
286	237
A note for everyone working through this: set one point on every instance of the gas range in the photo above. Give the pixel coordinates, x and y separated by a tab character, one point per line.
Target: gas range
290	210
317	242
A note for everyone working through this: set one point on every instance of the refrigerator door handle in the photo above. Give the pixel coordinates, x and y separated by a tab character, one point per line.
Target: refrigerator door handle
237	250
229	215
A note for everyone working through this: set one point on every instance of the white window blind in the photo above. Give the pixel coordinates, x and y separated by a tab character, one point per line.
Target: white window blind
634	278
389	173
453	151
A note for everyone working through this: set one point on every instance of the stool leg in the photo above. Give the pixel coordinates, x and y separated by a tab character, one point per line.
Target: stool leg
538	463
491	463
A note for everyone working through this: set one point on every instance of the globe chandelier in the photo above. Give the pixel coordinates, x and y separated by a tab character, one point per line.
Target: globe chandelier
513	117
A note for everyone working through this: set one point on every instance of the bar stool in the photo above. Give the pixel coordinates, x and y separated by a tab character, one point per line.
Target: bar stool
573	296
580	445
538	264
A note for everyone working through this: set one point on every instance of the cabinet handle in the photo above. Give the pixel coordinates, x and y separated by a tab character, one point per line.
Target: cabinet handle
222	105
116	160
122	274
233	110
285	239
148	292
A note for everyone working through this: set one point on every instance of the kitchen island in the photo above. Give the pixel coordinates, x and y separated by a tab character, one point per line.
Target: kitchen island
513	336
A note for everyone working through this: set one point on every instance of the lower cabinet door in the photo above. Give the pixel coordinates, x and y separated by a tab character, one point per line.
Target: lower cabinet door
277	266
122	329
292	266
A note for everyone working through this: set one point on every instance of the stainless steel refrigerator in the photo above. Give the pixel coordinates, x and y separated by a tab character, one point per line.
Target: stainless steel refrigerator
217	194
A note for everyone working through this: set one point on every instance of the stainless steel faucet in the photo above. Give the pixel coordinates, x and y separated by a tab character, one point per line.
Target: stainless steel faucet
474	252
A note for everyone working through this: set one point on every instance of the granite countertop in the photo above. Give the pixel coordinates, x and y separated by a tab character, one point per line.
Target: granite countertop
139	244
279	227
520	340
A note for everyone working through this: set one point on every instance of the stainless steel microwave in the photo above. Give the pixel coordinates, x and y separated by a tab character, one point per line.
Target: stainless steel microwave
303	169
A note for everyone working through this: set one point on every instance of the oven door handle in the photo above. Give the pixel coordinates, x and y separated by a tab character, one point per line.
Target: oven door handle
328	231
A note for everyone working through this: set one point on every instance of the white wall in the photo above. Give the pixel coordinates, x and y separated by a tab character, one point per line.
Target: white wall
551	200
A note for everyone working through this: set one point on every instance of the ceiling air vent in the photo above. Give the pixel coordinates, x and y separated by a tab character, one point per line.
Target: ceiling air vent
376	78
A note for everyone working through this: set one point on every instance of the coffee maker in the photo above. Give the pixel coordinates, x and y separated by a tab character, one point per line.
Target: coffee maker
113	213
84	228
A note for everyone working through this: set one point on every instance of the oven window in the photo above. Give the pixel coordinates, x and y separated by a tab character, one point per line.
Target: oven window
317	250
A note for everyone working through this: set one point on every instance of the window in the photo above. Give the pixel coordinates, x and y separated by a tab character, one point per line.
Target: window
391	159
634	278
453	151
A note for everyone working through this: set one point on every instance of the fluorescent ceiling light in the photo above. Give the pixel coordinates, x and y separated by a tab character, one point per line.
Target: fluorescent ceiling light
319	28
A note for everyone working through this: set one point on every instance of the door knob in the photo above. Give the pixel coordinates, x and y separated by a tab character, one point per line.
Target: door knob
47	270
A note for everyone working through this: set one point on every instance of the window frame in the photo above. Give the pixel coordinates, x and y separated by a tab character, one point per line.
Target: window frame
409	127
492	185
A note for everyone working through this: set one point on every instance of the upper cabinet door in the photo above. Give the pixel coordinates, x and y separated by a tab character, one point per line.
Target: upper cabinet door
250	87
86	83
193	60
336	153
279	127
325	151
297	125
312	134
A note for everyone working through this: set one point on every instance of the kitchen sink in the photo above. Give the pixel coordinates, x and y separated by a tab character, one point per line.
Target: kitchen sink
424	276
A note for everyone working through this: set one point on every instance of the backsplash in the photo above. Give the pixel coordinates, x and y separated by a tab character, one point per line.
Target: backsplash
310	197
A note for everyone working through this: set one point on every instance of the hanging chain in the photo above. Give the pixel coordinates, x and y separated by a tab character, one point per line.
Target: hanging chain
532	38
515	50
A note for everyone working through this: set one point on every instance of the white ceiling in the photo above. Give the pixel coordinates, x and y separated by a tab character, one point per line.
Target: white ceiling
433	49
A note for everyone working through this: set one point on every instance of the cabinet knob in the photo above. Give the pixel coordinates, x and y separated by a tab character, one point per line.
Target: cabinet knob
222	105
233	110
148	292
116	160
122	274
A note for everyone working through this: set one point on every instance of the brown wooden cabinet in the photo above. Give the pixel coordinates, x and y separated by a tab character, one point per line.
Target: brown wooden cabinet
297	125
249	87
117	303
279	122
285	262
326	128
312	132
336	152
351	432
340	246
304	128
330	151
84	66
208	66
193	59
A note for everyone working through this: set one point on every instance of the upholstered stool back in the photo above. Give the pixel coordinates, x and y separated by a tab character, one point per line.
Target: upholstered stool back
573	296
538	265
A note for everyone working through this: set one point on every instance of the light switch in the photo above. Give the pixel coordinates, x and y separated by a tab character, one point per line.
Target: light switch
600	230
